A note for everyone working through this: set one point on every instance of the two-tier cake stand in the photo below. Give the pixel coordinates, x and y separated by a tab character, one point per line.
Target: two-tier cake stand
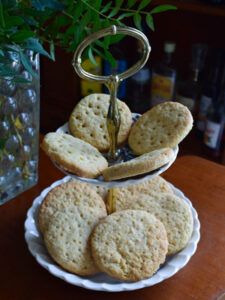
102	282
115	155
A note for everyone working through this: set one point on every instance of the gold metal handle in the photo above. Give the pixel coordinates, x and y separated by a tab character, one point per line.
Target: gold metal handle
112	200
113	119
112	30
112	82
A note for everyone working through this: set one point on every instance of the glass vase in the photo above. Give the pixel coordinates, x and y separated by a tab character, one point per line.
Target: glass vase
19	129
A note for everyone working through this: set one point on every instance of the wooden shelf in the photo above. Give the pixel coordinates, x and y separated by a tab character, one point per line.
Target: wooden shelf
196	6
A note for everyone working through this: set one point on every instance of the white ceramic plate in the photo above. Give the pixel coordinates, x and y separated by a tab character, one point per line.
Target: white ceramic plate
127	154
103	282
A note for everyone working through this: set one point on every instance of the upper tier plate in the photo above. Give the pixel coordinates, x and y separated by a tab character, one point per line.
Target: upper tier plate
127	154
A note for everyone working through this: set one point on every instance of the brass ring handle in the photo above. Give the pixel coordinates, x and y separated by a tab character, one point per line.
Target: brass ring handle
112	30
112	82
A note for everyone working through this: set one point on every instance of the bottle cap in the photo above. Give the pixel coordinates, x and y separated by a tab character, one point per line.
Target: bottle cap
169	47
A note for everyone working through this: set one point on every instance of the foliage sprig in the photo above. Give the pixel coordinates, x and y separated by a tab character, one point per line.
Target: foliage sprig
28	25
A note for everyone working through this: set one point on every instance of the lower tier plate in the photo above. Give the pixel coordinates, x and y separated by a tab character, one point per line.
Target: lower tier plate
103	282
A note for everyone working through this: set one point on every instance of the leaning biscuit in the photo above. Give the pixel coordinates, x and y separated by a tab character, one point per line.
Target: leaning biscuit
125	195
88	121
101	190
172	211
67	239
140	165
68	195
129	245
165	125
74	155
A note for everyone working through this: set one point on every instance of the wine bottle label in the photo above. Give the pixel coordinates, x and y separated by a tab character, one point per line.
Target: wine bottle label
90	87
212	134
162	89
189	102
205	103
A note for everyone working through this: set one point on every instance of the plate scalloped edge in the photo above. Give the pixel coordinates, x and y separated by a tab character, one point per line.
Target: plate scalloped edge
102	282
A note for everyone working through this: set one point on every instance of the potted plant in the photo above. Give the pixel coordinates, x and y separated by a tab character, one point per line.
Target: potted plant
30	28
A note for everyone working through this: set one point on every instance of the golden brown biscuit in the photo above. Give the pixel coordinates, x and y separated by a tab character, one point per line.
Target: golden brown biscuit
88	121
125	195
68	195
140	165
165	125
99	189
74	155
67	238
172	211
129	245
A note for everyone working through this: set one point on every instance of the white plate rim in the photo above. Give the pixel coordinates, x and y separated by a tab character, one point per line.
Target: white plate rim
37	249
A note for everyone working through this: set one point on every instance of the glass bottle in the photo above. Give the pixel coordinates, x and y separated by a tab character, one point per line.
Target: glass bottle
89	87
121	65
210	89
214	127
164	77
138	92
188	91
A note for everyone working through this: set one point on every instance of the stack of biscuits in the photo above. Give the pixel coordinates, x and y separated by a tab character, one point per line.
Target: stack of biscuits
150	221
151	138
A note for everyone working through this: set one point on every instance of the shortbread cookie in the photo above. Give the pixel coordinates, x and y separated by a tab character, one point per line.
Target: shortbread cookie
74	155
165	125
140	165
173	212
68	195
88	121
129	245
125	195
100	189
67	239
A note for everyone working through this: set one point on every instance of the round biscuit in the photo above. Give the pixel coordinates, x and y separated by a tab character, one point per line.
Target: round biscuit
129	245
67	239
165	125
68	194
142	164
88	121
101	190
172	211
74	155
125	195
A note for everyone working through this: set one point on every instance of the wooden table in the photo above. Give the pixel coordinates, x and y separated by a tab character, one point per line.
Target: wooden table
21	277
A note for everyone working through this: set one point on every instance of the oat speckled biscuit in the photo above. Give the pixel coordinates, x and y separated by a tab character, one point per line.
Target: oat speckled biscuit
74	155
88	121
100	189
165	125
129	245
172	211
68	195
67	239
125	195
140	165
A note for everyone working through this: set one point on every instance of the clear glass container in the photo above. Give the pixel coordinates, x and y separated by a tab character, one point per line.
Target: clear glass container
19	130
